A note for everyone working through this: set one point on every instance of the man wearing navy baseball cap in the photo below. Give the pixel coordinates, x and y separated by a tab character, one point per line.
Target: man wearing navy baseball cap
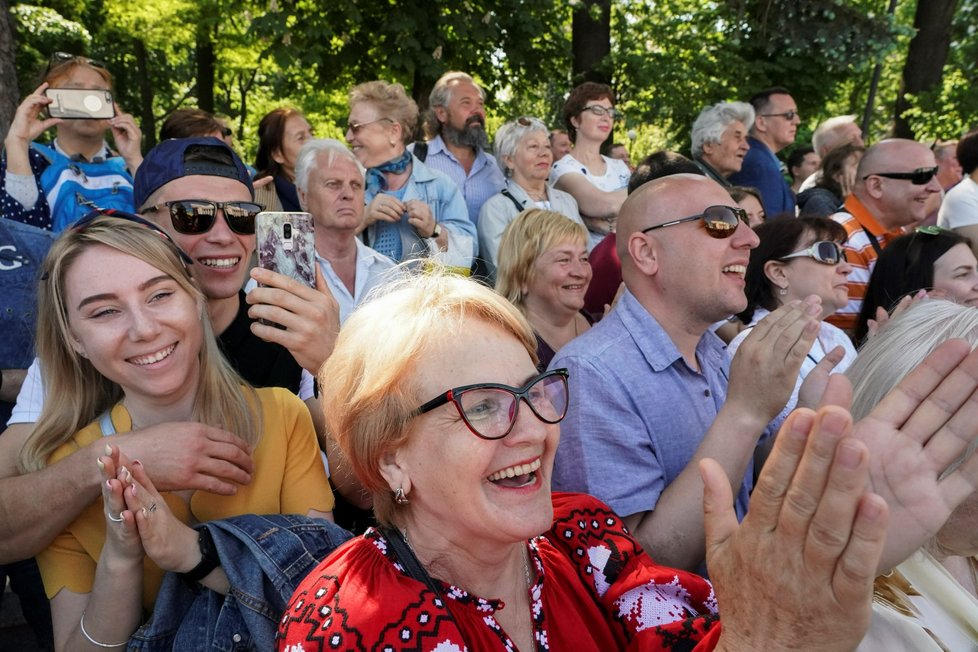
198	191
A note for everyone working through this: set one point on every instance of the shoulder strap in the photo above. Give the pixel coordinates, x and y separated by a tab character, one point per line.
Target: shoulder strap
407	558
421	150
105	423
872	239
516	202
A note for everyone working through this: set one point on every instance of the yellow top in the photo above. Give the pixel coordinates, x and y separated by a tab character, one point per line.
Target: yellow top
289	478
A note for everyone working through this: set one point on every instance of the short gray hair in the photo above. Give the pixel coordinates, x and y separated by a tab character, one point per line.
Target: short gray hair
333	149
508	138
714	120
823	134
441	94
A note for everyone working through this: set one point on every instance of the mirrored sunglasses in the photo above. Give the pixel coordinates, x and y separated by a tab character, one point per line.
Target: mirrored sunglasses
919	177
719	221
195	216
490	410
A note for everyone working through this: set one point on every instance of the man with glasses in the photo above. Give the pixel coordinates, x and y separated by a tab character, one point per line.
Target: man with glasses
458	120
649	382
198	191
894	181
775	124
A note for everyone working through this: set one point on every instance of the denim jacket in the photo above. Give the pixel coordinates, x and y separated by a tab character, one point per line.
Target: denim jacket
22	251
265	558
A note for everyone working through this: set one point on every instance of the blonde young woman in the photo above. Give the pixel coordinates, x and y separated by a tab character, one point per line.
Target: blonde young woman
544	271
125	343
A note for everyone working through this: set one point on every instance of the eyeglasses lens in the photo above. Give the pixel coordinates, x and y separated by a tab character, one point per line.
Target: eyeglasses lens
491	412
828	252
194	217
721	221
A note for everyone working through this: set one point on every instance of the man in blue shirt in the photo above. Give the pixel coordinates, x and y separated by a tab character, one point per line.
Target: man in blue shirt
652	389
459	147
775	124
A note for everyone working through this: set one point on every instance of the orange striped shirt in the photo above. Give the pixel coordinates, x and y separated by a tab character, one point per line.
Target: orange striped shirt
857	220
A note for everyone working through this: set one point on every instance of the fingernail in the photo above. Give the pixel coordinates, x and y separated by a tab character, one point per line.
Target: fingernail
135	462
108	483
849	455
101	464
871	509
108	450
133	489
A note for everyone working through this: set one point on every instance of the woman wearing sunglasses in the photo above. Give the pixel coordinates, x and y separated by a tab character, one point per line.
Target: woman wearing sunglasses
448	422
932	259
125	343
797	258
51	186
413	211
597	182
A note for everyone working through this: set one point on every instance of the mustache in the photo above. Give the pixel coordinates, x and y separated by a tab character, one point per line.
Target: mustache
475	119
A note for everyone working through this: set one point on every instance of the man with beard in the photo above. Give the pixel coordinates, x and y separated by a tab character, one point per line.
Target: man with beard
458	119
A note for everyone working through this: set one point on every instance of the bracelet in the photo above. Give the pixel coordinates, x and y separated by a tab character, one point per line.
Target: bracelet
91	640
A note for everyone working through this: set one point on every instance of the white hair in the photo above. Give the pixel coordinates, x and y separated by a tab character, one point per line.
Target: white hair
714	120
822	139
441	94
310	151
508	138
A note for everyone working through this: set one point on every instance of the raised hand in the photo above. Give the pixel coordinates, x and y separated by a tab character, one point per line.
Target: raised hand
808	549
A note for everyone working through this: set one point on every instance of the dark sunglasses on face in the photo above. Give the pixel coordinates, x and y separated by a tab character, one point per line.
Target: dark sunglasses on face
490	409
919	177
720	221
824	251
354	127
195	216
787	115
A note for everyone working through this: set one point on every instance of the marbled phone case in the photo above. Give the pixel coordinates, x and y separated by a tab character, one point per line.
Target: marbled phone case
295	256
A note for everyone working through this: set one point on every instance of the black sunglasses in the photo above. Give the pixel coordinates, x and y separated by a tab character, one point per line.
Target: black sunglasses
196	216
720	221
919	177
61	58
824	251
787	115
490	409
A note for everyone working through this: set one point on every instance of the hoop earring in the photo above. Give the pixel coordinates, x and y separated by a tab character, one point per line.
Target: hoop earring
399	496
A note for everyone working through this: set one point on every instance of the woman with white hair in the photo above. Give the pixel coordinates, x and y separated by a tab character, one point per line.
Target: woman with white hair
720	139
928	602
524	155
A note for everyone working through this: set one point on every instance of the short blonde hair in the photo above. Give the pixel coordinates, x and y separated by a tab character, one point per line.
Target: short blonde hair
902	344
524	240
391	101
369	394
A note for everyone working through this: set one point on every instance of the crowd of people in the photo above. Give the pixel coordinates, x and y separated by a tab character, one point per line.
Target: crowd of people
538	398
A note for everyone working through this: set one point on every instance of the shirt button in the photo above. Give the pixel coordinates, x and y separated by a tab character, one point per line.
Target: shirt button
706	392
236	638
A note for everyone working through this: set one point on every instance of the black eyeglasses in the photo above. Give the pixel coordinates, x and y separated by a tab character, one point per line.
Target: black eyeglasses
227	131
720	221
601	111
787	115
919	177
490	409
355	127
824	251
86	221
196	216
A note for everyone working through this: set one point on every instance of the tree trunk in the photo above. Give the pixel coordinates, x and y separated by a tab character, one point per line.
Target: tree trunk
926	56
10	96
206	61
591	40
146	117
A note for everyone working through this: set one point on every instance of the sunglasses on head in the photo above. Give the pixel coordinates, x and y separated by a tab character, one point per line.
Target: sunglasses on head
196	216
919	177
61	58
720	221
824	251
86	221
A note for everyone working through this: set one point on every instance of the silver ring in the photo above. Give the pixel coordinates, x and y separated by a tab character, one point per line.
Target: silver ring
152	507
114	519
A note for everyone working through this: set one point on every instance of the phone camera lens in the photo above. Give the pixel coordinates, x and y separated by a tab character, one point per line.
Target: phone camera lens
287	231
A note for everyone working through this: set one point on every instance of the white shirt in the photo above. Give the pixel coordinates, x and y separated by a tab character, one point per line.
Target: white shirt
372	271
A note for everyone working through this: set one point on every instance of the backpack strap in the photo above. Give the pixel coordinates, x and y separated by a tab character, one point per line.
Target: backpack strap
516	202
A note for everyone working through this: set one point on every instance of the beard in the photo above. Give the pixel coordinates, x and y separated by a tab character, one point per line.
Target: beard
473	134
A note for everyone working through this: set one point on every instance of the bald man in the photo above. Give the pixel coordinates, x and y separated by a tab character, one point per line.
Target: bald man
649	395
894	181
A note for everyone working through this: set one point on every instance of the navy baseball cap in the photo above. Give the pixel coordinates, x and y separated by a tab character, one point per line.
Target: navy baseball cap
176	158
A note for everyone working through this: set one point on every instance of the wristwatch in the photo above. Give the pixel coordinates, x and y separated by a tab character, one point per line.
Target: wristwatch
436	231
208	558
